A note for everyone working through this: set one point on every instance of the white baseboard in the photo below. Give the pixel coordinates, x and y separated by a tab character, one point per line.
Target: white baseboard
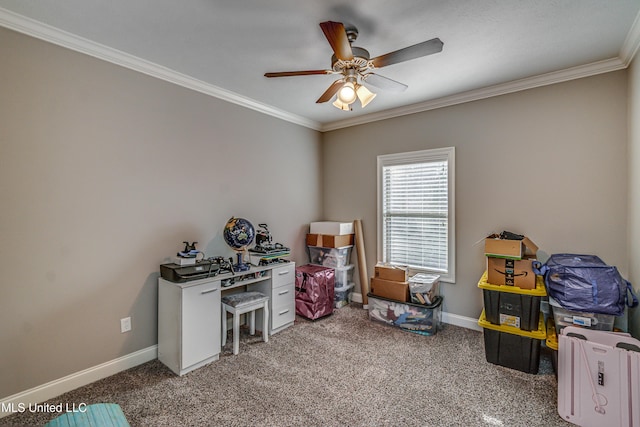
450	318
11	404
462	321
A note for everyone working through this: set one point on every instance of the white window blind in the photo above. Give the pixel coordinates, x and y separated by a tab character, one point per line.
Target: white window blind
415	202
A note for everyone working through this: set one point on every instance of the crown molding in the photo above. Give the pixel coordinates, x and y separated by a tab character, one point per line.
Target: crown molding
631	43
58	37
483	93
33	28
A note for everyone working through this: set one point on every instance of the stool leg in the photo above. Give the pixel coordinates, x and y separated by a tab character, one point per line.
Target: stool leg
224	326
265	322
252	322
236	333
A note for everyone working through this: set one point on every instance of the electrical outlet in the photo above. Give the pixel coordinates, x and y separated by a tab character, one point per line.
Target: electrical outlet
125	324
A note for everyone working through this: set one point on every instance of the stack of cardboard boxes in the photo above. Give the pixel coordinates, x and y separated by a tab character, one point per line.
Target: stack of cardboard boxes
330	244
390	281
512	322
509	261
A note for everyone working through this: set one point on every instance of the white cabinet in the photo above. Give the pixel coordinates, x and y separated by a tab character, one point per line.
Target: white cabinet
281	291
188	324
190	313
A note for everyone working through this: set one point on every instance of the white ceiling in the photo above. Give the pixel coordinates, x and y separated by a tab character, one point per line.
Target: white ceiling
224	47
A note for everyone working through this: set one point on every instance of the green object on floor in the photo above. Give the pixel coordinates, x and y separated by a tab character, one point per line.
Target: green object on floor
96	415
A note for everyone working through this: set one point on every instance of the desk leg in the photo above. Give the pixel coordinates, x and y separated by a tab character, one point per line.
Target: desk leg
265	322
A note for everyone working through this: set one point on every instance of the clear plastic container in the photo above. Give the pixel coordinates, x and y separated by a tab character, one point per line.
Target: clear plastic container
330	257
563	317
423	288
343	275
416	318
341	297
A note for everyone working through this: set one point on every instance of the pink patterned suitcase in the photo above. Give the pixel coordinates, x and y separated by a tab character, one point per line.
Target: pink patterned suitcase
315	290
598	378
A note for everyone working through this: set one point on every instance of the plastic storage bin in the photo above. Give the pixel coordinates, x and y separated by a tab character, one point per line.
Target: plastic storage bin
343	275
330	257
552	344
512	306
512	347
416	318
563	317
341	297
423	288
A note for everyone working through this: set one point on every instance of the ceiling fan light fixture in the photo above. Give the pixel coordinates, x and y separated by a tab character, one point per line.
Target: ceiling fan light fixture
364	95
355	65
341	105
347	94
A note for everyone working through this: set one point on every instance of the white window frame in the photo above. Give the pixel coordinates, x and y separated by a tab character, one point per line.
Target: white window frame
431	155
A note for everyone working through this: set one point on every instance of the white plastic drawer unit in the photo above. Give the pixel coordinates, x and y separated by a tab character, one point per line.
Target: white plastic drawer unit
283	296
283	275
283	305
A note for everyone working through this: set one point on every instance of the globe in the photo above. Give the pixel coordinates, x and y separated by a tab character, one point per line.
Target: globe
238	234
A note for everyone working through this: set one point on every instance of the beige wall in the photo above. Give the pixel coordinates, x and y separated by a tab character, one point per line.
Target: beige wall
549	162
634	188
104	172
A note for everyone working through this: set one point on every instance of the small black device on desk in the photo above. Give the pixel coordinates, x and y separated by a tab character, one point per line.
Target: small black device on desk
200	270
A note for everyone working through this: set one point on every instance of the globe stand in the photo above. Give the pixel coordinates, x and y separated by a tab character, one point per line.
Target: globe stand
241	266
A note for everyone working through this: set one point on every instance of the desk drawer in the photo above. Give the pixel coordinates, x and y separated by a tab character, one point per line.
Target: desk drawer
283	275
283	305
284	295
283	315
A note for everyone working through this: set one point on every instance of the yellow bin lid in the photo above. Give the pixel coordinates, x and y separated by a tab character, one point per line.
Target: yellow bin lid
540	334
539	291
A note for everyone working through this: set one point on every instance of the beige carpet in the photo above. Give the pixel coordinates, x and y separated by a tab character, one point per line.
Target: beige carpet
343	370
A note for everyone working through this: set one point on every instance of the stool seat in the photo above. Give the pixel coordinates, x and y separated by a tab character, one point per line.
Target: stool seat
241	303
244	298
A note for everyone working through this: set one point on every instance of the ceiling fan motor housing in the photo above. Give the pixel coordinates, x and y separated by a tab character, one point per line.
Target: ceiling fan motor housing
360	60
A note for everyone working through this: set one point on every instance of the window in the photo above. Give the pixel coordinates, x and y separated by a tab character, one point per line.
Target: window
416	211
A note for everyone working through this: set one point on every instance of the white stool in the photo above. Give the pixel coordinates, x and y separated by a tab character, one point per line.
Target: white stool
238	304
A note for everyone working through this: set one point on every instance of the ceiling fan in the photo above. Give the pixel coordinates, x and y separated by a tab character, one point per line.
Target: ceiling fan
355	66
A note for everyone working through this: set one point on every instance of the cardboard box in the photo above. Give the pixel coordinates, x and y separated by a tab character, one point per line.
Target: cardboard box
398	291
511	272
390	272
331	227
329	240
504	248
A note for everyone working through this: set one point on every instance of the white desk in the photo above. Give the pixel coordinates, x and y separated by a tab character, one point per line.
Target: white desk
189	314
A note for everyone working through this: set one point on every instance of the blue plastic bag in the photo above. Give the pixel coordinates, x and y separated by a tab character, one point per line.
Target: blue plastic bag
585	283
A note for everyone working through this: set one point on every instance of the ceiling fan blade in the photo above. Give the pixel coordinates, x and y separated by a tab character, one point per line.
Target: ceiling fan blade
328	94
412	52
297	73
337	37
384	83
